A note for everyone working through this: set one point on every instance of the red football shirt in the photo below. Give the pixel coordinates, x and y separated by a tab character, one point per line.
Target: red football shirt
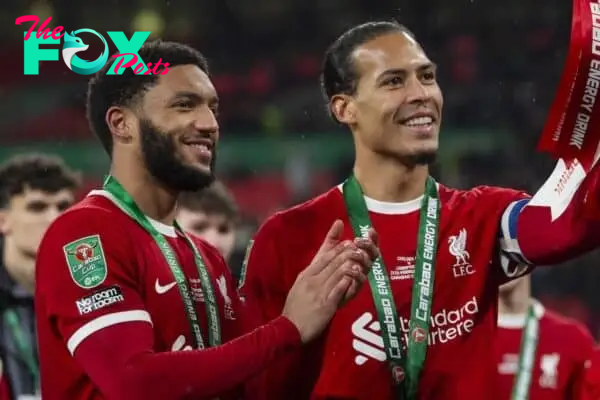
125	281
590	388
563	348
348	362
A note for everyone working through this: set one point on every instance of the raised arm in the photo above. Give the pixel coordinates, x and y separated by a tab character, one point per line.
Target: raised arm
558	224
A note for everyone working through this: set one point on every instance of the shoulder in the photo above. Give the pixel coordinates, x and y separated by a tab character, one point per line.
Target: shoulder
93	213
567	326
308	213
93	227
481	195
568	330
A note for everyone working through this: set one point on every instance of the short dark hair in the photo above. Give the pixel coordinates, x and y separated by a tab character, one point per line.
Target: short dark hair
35	171
338	72
215	199
105	91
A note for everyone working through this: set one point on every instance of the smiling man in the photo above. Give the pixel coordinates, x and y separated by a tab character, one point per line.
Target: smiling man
425	329
121	288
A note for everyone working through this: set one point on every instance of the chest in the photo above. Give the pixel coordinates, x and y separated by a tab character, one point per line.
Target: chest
164	298
464	254
464	290
553	364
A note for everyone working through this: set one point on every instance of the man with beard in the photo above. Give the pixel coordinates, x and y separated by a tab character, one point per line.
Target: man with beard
424	330
121	288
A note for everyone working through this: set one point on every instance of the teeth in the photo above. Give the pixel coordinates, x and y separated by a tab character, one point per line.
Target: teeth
419	121
200	146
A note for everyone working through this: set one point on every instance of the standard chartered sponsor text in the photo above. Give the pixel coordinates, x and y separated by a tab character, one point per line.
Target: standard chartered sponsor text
448	325
445	325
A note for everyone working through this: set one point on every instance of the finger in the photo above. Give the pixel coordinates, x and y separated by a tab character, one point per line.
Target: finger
344	270
358	274
374	236
336	263
352	290
368	246
362	259
333	236
337	294
322	259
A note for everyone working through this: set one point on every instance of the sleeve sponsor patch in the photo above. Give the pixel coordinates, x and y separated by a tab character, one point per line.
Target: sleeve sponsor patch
86	261
100	299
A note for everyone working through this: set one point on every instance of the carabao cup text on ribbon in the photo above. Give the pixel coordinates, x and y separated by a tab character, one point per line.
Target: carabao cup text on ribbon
572	130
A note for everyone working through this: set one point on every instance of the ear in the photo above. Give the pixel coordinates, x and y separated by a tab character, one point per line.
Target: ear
120	121
4	222
343	108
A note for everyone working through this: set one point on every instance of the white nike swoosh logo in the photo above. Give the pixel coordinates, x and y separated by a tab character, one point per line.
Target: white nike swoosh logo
163	289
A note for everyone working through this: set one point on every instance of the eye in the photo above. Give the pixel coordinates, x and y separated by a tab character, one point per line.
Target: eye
37	206
184	104
393	81
224	229
63	205
429	76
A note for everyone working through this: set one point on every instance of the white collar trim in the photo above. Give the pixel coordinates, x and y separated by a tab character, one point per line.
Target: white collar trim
517	321
167	230
390	208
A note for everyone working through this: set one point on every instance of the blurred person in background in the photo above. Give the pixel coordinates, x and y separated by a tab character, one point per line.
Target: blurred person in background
211	214
34	190
540	355
431	339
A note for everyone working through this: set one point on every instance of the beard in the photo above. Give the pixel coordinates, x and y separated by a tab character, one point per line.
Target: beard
422	158
159	152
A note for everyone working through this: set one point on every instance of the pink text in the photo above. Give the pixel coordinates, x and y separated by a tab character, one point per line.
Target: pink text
157	70
42	30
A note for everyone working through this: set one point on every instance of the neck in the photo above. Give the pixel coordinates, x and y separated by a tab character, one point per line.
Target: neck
19	265
154	199
388	179
516	300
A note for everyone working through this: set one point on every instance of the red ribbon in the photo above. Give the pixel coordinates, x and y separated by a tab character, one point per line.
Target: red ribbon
572	130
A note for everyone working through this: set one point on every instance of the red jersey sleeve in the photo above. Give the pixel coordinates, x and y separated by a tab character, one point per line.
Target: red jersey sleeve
88	303
503	205
264	287
583	353
261	281
86	280
559	222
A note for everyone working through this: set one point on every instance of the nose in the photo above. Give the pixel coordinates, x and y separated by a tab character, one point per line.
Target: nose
212	237
416	92
206	120
52	213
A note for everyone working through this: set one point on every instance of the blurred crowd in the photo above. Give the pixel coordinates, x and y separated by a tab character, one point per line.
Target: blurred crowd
499	64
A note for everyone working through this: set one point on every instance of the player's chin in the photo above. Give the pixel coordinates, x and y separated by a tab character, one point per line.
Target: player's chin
202	166
422	154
